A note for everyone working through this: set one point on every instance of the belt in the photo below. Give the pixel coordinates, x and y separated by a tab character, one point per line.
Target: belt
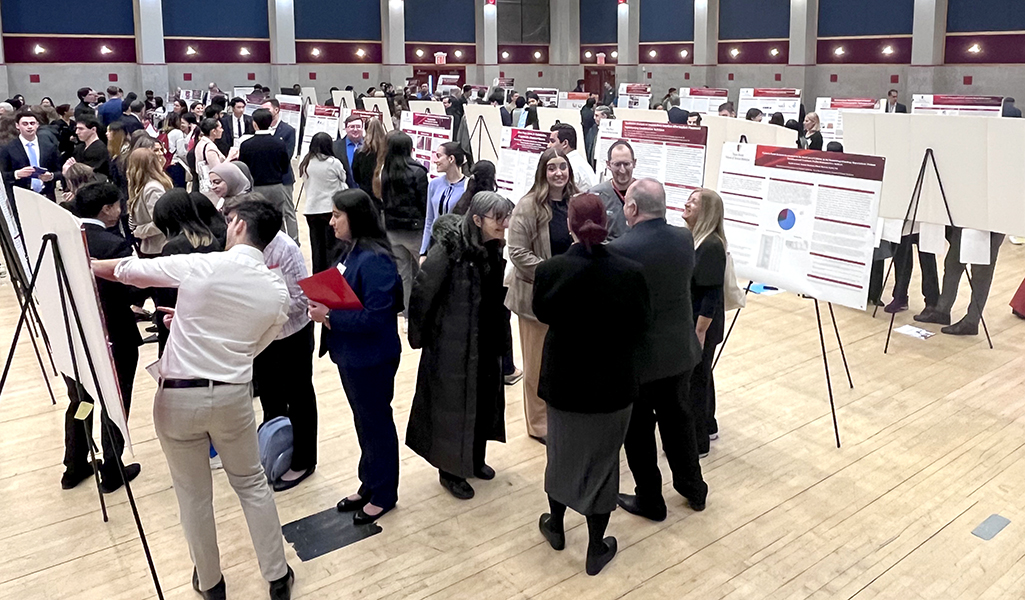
191	383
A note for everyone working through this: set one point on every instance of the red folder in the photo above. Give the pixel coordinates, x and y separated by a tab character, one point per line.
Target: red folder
331	289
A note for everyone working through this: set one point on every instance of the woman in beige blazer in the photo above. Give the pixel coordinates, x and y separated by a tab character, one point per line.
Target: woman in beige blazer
147	182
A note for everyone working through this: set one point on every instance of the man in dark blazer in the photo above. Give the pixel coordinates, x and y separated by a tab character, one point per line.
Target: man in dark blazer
670	352
345	147
99	207
892	106
286	133
132	119
236	123
20	157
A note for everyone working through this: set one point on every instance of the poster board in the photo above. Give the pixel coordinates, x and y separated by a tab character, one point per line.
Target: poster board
39	216
520	153
831	112
319	119
703	100
366	115
802	220
484	124
379	105
427	107
727	130
771	101
634	95
642	114
428	132
310	93
672	154
549	97
191	96
948	104
546	117
344	98
12	232
572	100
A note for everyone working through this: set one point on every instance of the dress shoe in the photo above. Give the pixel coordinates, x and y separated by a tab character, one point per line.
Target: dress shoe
696	495
72	477
362	518
282	485
596	561
281	589
513	378
109	485
457	487
215	593
896	305
649	510
557	539
931	315
962	327
484	472
346	505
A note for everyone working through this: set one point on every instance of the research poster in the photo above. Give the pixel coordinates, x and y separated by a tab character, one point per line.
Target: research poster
634	95
546	96
574	100
428	132
771	101
702	100
974	106
520	152
802	220
319	119
673	154
291	110
831	110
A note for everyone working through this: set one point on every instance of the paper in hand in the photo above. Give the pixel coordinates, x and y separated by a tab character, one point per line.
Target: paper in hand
330	289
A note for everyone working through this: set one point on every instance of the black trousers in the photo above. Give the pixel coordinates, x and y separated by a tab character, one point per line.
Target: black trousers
664	402
370	391
702	398
76	436
903	265
283	374
324	246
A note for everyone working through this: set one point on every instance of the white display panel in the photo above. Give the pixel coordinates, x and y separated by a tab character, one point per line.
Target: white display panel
771	101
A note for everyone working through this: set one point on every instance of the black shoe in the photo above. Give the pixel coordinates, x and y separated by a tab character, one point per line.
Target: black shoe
696	496
457	487
362	518
485	472
282	485
109	485
962	327
648	510
597	561
215	593
281	589
875	302
896	305
72	477
557	539
931	315
539	439
346	505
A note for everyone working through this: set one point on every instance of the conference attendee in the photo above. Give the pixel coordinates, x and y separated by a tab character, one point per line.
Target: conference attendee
457	317
75	177
589	407
345	148
608	94
172	135
564	137
269	162
208	155
668	354
91	150
368	160
30	161
621	163
677	115
365	346
228	181
538	231
132	118
147	182
324	176
180	106
444	192
99	207
590	128
1009	109
212	91
111	110
667	101
981	280
197	109
903	266
777	119
694	119
230	307
812	139
404	196
283	372
753	114
580	86
519	114
6	108
892	106
86	100
703	213
497	98
65	132
727	109
47	102
798	132
286	133
236	123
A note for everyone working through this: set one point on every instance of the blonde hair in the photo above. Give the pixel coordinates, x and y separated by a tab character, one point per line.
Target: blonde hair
144	166
375	142
539	192
709	221
814	119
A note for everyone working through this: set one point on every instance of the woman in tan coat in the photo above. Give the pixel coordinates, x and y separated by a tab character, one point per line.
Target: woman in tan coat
147	182
538	231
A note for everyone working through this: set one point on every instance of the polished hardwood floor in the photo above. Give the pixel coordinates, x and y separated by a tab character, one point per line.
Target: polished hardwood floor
933	443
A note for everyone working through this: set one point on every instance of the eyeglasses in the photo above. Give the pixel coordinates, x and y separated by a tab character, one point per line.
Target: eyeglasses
621	165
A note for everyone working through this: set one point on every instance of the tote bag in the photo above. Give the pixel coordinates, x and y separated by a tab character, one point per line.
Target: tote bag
733	296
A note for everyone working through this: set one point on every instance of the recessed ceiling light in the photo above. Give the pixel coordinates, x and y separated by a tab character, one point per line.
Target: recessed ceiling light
588	54
360	52
505	55
315	52
459	53
684	53
735	52
39	49
419	52
839	51
974	48
888	50
243	51
106	50
653	54
190	51
615	54
537	54
774	52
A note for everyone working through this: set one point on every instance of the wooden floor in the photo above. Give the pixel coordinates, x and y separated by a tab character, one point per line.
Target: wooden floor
933	443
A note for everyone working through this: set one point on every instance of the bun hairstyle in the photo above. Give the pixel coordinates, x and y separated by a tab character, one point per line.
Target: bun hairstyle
588	220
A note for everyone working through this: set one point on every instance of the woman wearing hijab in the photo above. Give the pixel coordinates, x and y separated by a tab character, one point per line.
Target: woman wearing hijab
227	181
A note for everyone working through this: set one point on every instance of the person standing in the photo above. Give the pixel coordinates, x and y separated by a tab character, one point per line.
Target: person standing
903	266
345	148
443	192
323	175
230	307
404	195
564	136
368	160
892	106
588	413
812	139
237	123
286	133
621	162
147	182
268	161
207	154
21	157
457	318
669	353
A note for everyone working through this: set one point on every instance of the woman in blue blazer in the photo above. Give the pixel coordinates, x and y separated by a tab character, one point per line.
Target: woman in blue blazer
365	346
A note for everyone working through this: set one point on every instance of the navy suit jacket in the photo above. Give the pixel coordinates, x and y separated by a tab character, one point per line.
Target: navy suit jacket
13	157
286	133
110	111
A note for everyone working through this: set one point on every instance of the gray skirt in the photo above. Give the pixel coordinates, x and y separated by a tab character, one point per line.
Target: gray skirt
583	459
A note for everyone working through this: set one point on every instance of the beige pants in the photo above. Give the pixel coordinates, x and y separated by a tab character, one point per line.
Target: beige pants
187	422
532	342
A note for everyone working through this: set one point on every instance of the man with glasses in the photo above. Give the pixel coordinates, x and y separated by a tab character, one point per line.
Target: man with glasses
345	148
621	162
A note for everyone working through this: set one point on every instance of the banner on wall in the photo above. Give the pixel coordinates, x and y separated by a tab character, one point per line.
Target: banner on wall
520	152
428	132
574	100
771	101
831	110
672	154
548	97
976	106
802	220
634	95
319	119
702	100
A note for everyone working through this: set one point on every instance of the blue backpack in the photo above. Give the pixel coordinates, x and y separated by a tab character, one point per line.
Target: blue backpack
275	440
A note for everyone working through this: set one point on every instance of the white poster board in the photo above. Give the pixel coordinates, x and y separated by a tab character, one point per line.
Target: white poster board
39	217
428	132
310	93
319	119
703	100
573	100
366	115
379	105
426	107
642	114
727	130
948	104
520	153
832	110
634	95
802	220
14	232
344	98
484	124
546	117
549	97
771	101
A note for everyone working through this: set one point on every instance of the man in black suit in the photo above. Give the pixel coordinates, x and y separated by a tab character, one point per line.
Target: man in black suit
99	207
20	158
892	106
236	123
132	119
86	98
90	149
268	160
669	353
345	148
497	98
286	133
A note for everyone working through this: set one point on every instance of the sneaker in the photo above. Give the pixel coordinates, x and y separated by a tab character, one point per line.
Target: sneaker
514	377
713	436
1017	240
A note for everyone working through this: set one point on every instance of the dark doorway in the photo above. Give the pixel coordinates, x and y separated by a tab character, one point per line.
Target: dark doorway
429	74
596	76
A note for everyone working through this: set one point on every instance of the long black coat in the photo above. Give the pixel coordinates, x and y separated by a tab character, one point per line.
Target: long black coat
460	366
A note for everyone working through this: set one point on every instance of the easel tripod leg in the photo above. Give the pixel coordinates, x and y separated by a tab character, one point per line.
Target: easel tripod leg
825	364
839	342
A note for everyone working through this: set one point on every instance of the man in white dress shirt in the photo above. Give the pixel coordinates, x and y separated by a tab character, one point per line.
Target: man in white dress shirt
565	136
230	307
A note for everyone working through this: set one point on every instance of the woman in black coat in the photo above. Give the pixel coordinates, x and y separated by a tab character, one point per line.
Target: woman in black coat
404	196
457	316
588	374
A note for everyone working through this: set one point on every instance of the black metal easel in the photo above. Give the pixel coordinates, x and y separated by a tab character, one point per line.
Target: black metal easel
480	127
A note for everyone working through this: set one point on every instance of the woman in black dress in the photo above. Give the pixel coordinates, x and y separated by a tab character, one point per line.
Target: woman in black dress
812	134
589	376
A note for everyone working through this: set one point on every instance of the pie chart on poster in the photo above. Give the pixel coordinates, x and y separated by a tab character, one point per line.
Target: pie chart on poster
786	219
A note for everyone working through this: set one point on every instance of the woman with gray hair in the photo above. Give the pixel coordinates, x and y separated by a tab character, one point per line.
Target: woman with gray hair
457	317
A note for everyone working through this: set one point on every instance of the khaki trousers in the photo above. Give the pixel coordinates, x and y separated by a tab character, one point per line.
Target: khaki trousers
187	422
532	342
